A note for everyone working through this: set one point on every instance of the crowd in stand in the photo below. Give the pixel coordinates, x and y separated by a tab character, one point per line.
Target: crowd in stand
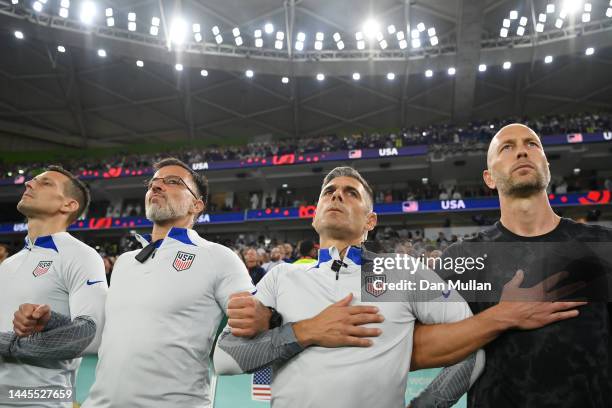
443	138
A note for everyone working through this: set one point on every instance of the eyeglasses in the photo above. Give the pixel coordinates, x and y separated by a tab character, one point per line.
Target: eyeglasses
173	181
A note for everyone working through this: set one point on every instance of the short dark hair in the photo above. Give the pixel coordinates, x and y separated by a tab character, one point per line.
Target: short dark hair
199	179
306	247
349	172
75	189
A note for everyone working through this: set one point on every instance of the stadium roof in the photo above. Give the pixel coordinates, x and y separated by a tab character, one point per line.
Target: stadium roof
51	98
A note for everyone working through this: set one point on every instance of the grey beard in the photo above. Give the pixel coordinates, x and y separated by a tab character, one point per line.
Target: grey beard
156	213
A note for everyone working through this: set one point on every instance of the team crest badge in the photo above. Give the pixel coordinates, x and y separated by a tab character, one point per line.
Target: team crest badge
371	287
183	261
42	268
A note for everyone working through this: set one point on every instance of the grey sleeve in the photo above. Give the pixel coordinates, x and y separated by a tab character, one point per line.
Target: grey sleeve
452	382
271	347
62	339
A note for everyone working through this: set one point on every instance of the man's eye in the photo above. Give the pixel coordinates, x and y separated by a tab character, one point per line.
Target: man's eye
506	147
172	181
327	192
534	144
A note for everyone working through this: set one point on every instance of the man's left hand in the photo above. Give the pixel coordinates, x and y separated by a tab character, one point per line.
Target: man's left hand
247	317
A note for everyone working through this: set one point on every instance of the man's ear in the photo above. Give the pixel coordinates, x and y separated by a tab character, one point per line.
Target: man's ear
71	205
488	179
372	221
199	206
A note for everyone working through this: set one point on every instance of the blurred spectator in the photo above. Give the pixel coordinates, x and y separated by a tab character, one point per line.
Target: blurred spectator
251	262
4	252
288	256
276	258
307	252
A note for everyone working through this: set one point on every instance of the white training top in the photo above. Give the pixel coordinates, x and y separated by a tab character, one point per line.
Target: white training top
346	377
162	317
63	272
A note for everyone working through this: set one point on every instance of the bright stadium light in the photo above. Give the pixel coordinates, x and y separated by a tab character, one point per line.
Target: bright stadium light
559	23
513	15
61	48
320	77
154	30
178	31
548	59
542	18
178	67
139	63
102	53
215	30
503	32
257	33
507	65
18	35
249	73
416	43
37	6
383	44
340	45
414	34
523	21
88	12
506	23
403	44
391	29
356	76
588	7
520	31
360	45
421	27
238	41
482	68
589	51
540	28
434	40
428	73
370	28
278	44
131	26
236	32
285	80
431	31
301	36
204	73
571	6
609	12
299	46
259	42
586	17
452	71
268	28
280	36
336	37
390	76
110	21
218	39
550	8
13	2
359	36
63	12
318	45
400	36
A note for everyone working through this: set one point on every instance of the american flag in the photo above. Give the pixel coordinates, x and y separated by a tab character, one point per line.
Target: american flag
355	154
260	388
574	138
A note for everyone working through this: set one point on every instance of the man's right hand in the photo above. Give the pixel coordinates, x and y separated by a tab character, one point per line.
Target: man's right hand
535	307
339	325
30	319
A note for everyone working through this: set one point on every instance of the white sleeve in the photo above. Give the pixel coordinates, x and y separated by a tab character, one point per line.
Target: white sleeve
86	283
266	288
447	308
232	276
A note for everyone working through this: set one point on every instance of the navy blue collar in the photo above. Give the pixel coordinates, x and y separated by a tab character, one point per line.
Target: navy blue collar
42	242
179	234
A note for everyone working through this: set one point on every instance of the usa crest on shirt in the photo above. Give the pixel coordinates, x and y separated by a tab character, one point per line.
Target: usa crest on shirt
42	268
183	261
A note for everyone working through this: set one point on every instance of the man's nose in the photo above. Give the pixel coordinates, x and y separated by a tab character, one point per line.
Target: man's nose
337	196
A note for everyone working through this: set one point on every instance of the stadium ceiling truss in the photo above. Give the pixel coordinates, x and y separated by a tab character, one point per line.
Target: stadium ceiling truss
76	99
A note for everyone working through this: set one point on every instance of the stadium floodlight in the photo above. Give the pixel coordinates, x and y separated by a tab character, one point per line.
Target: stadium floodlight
319	36
523	21
131	16
318	45
589	51
238	41
110	21
132	26
257	33
259	42
391	29
108	12
360	45
196	36
236	32
403	44
539	28
301	36
178	31
65	3
204	73
390	76
88	12
285	80
421	27
37	6
520	31
431	31
154	30
61	48
506	23
428	73
370	28
548	59
415	34
563	14
218	39
215	30
503	32
452	71
340	45
356	76
383	44
102	53
586	17
571	6
299	45
513	15
609	12
416	43
139	63
280	36
320	77
13	2
249	73
542	18
559	23
379	36
550	8
588	7
18	35
507	65
63	12
434	40
278	44
269	28
336	37
178	67
359	36
400	36
482	68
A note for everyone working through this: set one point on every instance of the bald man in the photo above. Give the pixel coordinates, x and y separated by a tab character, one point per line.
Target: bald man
564	364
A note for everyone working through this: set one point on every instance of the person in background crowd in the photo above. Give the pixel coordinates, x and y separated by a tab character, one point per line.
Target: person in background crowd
288	258
256	272
276	255
4	252
307	252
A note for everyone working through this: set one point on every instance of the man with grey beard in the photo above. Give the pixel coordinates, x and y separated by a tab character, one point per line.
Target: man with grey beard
166	303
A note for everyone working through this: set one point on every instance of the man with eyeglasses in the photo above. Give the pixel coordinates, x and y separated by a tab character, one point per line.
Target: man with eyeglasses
166	302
